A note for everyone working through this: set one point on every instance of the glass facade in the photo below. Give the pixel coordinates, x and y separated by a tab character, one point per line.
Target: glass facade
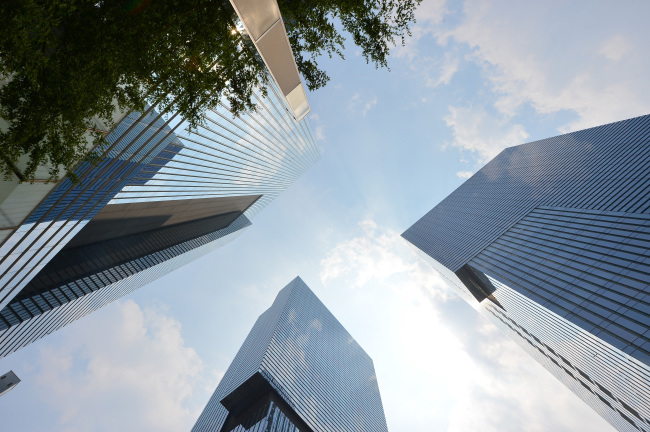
552	240
300	359
162	196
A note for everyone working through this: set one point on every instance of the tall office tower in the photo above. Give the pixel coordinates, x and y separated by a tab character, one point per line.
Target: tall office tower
162	196
551	241
298	370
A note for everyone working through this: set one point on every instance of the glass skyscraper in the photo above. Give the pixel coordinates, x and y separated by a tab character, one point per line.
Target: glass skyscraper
298	370
162	196
551	241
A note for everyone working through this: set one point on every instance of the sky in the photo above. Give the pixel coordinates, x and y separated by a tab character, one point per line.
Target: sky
477	76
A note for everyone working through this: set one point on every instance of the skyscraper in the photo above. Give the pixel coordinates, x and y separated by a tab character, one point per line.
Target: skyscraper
551	241
298	370
162	196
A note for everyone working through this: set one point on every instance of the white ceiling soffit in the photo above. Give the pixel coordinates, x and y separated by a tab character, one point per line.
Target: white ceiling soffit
264	24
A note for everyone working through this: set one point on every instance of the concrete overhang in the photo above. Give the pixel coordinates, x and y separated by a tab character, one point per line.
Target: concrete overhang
264	25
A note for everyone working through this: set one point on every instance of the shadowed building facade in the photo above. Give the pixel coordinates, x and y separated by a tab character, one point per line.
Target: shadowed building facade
551	241
298	370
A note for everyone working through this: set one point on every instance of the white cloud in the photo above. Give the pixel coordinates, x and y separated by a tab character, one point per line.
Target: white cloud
430	12
433	353
464	174
615	48
128	370
448	69
359	104
374	256
428	16
368	106
432	70
480	132
558	58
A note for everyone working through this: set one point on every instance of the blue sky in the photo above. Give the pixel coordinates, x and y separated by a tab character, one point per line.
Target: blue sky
477	76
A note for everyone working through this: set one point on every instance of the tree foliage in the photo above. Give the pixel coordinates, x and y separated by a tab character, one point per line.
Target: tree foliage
64	63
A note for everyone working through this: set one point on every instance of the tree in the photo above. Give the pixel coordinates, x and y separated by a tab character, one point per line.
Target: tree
65	62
